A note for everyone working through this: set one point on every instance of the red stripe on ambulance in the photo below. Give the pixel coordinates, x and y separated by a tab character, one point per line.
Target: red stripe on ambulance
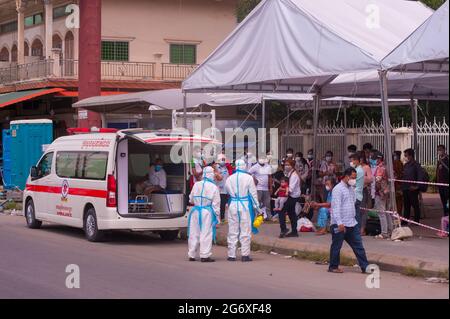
72	191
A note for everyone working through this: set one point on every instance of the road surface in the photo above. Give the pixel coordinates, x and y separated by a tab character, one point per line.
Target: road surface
33	265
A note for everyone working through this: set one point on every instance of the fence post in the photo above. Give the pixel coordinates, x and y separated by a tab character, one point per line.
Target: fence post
353	137
307	140
402	138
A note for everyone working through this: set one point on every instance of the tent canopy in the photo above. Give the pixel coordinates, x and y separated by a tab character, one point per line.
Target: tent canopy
426	49
293	45
299	101
400	85
171	99
141	102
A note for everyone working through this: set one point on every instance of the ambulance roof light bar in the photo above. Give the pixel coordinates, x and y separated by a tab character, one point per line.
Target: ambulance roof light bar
85	130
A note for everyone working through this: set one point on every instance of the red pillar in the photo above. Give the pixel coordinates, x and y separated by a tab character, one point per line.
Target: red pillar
89	78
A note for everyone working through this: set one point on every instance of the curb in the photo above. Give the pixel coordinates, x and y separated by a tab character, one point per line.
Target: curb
316	252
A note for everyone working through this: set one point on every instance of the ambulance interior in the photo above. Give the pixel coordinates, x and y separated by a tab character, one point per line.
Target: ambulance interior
135	196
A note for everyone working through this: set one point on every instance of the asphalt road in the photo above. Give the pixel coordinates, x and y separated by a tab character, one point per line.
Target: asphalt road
33	265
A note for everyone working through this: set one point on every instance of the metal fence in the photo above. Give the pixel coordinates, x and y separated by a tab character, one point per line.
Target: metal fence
177	71
113	70
430	135
27	71
333	138
374	134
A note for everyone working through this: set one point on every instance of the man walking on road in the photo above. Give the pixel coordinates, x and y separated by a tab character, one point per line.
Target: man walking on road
243	201
344	224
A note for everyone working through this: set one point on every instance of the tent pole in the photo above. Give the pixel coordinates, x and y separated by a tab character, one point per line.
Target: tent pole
345	132
315	128
414	106
387	137
263	116
103	120
287	128
185	110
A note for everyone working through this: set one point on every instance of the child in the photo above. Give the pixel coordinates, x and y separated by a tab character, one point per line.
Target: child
282	194
324	209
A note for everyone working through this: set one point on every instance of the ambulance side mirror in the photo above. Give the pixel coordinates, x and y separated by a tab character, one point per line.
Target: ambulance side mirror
34	172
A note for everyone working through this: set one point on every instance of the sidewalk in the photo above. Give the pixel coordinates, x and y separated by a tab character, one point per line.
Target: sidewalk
425	254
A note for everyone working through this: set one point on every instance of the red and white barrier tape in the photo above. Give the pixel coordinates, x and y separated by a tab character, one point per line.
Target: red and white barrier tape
417	182
396	215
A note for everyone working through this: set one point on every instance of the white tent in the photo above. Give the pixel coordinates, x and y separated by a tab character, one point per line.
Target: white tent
426	49
302	46
294	45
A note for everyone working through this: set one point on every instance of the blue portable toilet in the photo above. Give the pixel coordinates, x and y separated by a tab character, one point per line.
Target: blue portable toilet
22	147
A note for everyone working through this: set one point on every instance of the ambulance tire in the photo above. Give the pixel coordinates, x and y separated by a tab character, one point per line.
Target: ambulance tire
169	235
30	217
90	226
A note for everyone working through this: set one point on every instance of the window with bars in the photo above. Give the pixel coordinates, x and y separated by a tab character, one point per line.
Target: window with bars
8	27
183	54
34	19
115	51
59	12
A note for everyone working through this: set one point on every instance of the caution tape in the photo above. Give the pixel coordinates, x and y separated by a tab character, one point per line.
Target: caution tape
396	215
417	182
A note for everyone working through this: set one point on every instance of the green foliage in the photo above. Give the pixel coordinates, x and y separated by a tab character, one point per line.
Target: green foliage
244	7
434	4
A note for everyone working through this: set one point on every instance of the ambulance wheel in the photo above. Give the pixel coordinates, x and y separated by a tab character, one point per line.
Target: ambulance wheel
32	222
91	227
169	235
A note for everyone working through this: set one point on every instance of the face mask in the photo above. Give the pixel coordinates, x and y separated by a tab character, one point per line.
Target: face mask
353	165
350	154
298	159
352	182
269	157
328	188
287	169
222	163
289	155
310	156
328	158
406	160
158	168
373	163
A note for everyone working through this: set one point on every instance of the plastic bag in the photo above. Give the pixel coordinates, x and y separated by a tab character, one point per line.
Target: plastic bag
305	225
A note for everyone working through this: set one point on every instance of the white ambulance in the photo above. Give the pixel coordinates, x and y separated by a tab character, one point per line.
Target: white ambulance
94	181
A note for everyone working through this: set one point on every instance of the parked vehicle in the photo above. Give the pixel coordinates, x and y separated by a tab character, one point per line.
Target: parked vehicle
89	181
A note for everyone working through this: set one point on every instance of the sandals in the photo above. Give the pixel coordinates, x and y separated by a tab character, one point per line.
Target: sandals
336	270
380	236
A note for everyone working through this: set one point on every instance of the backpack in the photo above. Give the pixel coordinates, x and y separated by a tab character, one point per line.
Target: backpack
422	176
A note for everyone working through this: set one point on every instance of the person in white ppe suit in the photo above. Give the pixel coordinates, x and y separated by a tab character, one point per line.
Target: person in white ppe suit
243	201
203	217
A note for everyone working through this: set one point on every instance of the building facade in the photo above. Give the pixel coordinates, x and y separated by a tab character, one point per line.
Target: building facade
146	45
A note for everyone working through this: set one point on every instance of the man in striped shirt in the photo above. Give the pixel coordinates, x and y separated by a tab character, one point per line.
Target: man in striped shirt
344	224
